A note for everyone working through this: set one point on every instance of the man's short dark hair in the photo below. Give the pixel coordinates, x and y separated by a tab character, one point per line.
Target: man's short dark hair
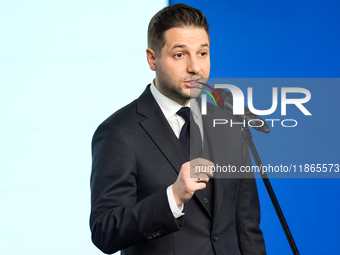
176	15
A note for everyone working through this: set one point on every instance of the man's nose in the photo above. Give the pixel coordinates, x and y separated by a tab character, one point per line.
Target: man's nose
193	66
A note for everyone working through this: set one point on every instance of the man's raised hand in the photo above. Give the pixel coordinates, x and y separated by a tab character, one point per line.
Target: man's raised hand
193	176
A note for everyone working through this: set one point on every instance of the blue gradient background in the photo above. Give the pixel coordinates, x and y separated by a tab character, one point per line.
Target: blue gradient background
288	39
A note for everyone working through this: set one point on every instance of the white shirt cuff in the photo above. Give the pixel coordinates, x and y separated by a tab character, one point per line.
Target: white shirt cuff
176	211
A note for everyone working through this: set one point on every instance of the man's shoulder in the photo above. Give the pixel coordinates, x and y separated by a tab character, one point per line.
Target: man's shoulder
124	114
218	112
131	114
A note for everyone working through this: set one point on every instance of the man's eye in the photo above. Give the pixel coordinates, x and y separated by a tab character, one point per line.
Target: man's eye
203	54
179	55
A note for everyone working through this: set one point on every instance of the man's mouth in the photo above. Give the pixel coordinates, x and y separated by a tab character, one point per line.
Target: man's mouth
192	83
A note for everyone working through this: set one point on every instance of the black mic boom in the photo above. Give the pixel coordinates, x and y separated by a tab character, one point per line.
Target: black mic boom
253	120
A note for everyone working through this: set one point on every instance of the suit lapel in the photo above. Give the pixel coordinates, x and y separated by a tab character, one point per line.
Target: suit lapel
159	129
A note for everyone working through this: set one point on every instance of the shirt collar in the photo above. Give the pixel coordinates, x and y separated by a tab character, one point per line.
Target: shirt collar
170	107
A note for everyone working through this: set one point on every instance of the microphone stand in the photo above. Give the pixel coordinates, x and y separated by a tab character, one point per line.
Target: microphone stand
248	137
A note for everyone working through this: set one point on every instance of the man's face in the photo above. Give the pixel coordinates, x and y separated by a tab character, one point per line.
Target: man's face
184	62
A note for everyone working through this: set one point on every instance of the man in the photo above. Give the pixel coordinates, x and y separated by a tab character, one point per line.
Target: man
145	199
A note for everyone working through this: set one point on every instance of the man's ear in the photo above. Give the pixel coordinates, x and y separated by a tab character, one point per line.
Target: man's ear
151	57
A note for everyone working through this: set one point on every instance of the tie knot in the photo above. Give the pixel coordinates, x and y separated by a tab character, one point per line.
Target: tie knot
184	112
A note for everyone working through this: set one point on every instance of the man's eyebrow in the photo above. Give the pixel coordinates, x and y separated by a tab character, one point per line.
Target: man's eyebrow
178	46
183	46
204	45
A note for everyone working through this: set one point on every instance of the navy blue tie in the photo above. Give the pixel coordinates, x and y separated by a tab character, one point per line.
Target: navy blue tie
190	136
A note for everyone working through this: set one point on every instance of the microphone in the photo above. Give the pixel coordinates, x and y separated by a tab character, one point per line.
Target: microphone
253	120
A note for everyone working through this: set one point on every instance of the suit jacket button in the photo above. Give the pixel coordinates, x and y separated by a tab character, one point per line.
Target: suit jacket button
206	200
215	238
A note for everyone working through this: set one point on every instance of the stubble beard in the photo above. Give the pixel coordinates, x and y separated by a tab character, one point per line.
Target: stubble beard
174	89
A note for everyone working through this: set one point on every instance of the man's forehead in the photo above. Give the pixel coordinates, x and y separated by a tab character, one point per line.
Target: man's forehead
186	37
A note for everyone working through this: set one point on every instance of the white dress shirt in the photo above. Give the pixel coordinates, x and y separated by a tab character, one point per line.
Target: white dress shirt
170	109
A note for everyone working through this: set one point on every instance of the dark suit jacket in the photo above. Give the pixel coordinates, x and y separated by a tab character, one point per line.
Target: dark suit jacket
136	156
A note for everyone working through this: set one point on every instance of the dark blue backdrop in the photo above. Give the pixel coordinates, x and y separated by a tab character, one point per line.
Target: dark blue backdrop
286	39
